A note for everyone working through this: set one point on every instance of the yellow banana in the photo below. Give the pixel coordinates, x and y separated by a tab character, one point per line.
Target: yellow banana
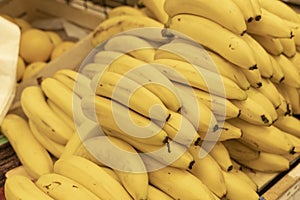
292	96
288	124
21	187
272	45
124	10
289	46
242	175
34	157
216	38
155	193
278	75
229	16
246	9
269	90
294	140
285	108
32	70
257	9
157	8
296	60
253	76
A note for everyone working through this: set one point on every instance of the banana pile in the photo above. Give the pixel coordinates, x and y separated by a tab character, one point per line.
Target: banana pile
37	48
179	106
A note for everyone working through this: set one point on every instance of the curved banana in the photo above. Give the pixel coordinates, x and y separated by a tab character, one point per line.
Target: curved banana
276	143
253	76
54	148
229	16
239	151
242	175
292	95
34	157
208	171
264	64
253	112
61	187
35	107
21	187
271	26
130	94
121	23
269	90
288	124
124	10
216	38
237	188
246	9
144	74
267	162
157	8
272	45
294	140
179	184
194	76
296	60
278	75
285	108
155	193
33	69
289	46
257	9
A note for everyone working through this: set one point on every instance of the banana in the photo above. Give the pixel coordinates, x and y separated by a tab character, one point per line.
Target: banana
172	153
34	157
257	9
276	143
237	188
288	124
216	38
285	108
278	75
296	60
292	77
270	25
206	122
257	96
197	77
264	64
60	187
282	91
239	151
121	23
144	74
21	187
218	105
130	94
289	46
179	184
253	112
294	140
243	176
124	160
292	96
219	152
91	69
229	16
134	46
75	81
267	162
157	8
269	90
272	45
280	9
124	10
208	171
253	76
155	193
54	148
246	9
33	69
112	115
91	176
35	107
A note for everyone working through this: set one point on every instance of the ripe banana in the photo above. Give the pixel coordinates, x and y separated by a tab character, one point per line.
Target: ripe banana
278	75
237	188
218	105
285	108
60	187
208	171
288	124
267	162
34	157
54	148
112	115
280	9
253	76
216	38
144	74
219	152
276	143
36	109
272	45
264	64
21	187
133	95
246	9
91	69
132	45
239	151
269	90
121	23
197	77
179	184
257	9
296	60
124	10
253	112
257	96
157	8
270	26
289	46
155	193
242	175
229	16
291	95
